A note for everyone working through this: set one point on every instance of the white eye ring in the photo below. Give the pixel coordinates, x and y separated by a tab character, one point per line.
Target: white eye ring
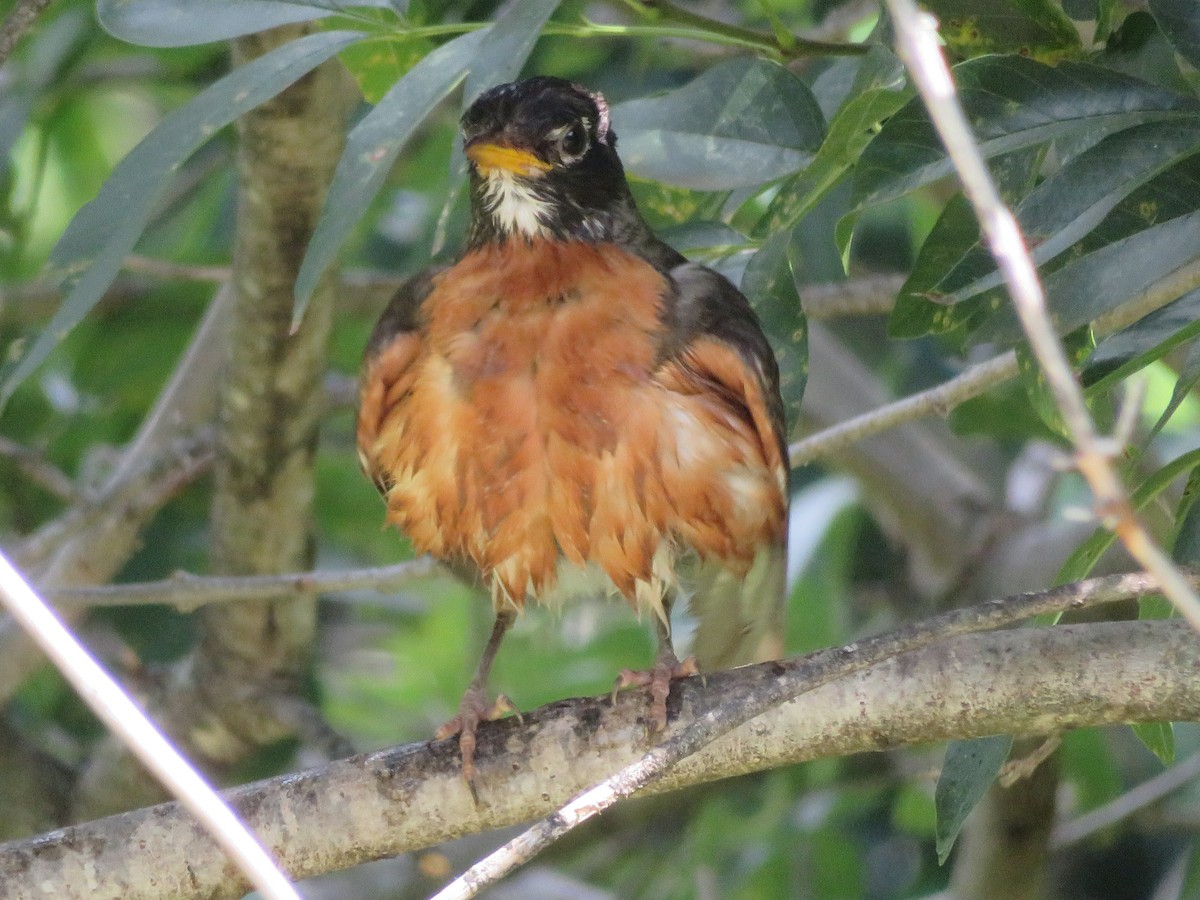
571	141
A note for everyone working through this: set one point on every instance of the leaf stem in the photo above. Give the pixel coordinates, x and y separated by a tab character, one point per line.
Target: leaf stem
792	48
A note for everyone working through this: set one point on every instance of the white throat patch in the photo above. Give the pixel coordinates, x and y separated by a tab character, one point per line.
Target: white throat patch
515	206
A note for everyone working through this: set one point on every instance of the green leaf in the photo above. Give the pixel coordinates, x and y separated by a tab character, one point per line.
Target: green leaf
1011	102
1097	282
1034	28
968	771
922	305
1077	345
182	23
1180	21
1072	202
1150	338
743	122
1159	738
97	240
371	148
879	91
770	284
379	63
507	45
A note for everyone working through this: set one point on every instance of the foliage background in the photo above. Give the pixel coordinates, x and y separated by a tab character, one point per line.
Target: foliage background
1089	112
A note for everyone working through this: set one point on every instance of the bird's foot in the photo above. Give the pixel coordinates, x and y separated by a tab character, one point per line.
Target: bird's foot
473	709
667	668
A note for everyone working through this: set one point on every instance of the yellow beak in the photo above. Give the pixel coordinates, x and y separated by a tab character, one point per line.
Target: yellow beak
492	157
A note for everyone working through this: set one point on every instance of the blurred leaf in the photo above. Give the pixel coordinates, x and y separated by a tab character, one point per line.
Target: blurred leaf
770	283
1189	377
371	148
914	811
91	250
181	23
969	770
1159	738
878	91
379	63
1139	48
1034	28
1011	102
1100	281
741	123
1180	21
1148	339
507	45
1081	562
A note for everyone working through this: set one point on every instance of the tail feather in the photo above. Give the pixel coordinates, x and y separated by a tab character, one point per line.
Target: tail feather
740	619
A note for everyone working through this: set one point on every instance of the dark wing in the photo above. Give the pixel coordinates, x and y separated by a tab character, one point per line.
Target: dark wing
387	368
715	333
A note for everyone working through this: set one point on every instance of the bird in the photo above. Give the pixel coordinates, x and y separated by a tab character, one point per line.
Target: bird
572	408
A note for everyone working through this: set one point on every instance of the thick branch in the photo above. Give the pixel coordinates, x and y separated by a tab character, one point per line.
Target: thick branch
401	799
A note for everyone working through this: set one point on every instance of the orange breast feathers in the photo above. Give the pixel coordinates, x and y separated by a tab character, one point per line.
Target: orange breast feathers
528	423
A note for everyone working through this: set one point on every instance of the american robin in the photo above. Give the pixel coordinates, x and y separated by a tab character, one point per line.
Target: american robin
573	408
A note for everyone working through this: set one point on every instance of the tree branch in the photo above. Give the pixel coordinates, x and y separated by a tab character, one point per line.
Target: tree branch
409	797
97	553
23	15
187	592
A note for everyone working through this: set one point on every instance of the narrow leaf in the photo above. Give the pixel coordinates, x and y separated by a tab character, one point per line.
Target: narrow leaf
183	23
968	771
743	122
507	45
371	148
1072	202
103	232
873	99
1150	338
1080	291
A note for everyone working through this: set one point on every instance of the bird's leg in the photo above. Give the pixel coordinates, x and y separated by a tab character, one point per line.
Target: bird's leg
474	707
667	667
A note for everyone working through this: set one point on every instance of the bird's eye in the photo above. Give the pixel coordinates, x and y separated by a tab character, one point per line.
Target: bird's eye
573	142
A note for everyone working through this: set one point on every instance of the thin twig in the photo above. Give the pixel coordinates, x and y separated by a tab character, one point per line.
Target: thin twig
917	46
123	717
39	469
794	678
1132	801
186	592
873	295
974	381
23	15
144	488
164	268
934	401
791	46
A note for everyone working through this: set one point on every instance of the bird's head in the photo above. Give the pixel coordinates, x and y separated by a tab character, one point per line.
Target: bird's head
543	163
